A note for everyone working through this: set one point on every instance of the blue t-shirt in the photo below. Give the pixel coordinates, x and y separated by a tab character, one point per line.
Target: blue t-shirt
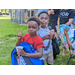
65	15
54	17
43	32
41	11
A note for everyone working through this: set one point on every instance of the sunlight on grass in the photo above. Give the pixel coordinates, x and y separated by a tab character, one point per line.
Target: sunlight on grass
5	17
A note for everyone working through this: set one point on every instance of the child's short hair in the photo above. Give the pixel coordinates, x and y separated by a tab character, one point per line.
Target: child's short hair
42	12
34	19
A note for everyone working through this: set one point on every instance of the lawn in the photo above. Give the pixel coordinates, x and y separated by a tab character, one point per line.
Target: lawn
8	32
8	38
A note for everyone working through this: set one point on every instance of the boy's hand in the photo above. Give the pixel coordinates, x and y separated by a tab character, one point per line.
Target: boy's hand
21	52
19	35
51	36
47	37
65	33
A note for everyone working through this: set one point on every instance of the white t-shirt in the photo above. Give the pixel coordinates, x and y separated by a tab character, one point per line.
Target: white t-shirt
43	32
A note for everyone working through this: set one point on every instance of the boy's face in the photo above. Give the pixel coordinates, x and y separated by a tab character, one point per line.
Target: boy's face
44	19
32	28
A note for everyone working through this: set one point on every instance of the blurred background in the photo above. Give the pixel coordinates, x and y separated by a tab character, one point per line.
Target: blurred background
19	16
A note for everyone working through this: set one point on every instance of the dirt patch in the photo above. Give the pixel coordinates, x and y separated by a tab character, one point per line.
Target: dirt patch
1	42
12	37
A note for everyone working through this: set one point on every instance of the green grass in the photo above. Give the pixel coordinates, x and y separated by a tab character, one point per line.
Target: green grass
8	30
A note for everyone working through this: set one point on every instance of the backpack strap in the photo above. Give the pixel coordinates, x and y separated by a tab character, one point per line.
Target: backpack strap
26	60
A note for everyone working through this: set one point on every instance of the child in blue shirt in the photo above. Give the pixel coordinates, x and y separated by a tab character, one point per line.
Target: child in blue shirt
47	38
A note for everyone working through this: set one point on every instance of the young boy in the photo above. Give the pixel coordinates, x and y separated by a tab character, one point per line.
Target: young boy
65	17
47	38
32	38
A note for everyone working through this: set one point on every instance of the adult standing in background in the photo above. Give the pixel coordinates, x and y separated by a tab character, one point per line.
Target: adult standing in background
65	17
53	17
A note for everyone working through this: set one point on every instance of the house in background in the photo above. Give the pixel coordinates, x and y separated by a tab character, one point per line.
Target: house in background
20	16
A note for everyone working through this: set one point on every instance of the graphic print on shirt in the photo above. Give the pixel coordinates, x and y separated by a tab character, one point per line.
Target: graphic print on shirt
49	44
64	14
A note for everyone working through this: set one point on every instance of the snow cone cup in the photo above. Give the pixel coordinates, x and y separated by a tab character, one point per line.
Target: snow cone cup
51	31
18	59
19	47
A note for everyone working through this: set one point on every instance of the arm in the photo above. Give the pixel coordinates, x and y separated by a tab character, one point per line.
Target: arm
48	37
58	21
45	37
37	54
68	41
73	23
69	22
18	42
71	16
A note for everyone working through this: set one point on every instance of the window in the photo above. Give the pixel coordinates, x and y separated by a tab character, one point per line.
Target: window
32	13
28	13
25	10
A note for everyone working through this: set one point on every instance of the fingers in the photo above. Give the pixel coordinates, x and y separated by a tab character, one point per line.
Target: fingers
17	29
21	30
19	52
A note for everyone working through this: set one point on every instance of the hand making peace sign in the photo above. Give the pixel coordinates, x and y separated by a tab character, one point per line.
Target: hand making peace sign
19	35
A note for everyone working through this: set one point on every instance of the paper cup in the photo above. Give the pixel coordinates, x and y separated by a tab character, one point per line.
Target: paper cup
19	47
51	31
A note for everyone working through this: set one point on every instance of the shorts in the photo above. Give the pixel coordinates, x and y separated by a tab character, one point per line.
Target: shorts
49	57
59	42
